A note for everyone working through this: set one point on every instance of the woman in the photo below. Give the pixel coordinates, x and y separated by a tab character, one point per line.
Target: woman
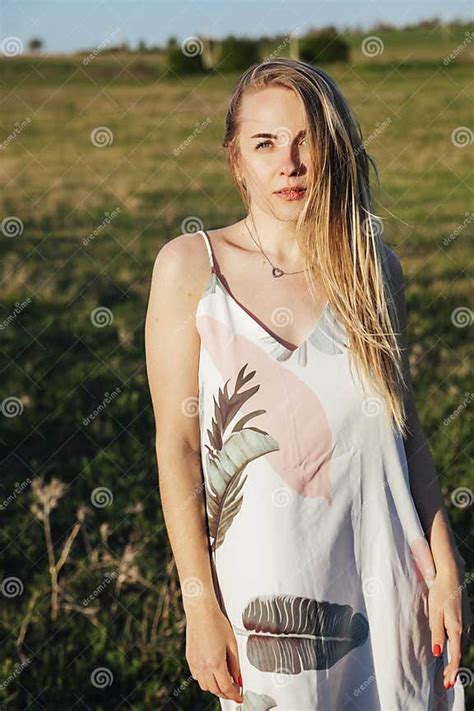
318	570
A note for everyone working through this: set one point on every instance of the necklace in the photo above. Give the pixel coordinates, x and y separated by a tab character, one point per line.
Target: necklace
276	271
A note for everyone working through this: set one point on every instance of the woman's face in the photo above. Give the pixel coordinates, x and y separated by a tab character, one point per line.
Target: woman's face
274	152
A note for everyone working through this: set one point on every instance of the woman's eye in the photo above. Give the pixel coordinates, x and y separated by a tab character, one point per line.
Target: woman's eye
269	143
263	143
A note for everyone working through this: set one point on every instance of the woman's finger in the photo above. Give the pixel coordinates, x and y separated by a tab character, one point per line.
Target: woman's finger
233	663
228	688
438	635
454	631
207	682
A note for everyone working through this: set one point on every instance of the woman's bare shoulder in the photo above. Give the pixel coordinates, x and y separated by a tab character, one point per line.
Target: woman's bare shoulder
183	259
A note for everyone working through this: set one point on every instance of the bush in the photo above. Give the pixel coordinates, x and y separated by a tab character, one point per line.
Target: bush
238	54
182	63
323	47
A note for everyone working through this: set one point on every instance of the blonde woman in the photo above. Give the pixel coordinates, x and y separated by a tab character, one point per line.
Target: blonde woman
316	561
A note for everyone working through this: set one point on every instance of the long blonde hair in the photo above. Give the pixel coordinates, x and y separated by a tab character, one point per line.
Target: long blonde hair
337	229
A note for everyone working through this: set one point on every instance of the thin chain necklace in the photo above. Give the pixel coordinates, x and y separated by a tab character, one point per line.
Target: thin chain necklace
276	271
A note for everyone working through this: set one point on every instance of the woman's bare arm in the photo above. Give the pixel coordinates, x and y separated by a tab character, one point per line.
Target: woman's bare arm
448	601
424	480
172	356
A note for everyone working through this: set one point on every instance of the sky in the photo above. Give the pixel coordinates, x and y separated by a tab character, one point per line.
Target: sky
70	25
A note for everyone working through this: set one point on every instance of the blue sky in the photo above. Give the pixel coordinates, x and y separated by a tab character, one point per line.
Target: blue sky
69	25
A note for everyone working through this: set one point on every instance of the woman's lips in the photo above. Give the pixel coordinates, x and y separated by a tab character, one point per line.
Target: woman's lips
294	194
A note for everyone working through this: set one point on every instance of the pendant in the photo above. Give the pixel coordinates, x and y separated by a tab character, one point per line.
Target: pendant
277	272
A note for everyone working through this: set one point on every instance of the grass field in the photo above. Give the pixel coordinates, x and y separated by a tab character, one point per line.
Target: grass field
104	164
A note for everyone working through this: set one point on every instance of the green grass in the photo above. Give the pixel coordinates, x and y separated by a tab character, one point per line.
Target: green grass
53	358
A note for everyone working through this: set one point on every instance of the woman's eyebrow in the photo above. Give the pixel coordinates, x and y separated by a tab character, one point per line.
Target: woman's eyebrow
272	135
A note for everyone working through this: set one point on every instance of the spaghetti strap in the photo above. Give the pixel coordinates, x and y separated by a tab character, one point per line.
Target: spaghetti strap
210	252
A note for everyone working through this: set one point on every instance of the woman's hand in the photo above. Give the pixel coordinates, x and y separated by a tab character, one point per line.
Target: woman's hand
449	614
212	654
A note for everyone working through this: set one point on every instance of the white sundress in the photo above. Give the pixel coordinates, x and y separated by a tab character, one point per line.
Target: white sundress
319	558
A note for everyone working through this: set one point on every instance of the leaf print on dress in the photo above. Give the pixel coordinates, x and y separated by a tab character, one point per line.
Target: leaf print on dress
226	459
294	633
257	702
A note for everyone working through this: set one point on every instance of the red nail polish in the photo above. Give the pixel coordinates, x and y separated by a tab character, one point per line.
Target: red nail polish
448	685
437	650
240	680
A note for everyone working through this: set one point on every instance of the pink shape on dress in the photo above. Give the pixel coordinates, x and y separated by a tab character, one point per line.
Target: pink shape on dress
294	415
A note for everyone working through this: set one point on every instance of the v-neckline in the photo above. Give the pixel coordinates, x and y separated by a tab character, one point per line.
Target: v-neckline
270	334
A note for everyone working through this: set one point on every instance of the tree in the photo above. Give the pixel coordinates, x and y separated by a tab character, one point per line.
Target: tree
323	47
35	44
238	54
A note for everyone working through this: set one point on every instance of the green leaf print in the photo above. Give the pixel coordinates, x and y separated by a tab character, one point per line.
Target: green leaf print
296	633
228	457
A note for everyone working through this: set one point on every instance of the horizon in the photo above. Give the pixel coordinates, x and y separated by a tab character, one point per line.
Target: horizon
87	24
